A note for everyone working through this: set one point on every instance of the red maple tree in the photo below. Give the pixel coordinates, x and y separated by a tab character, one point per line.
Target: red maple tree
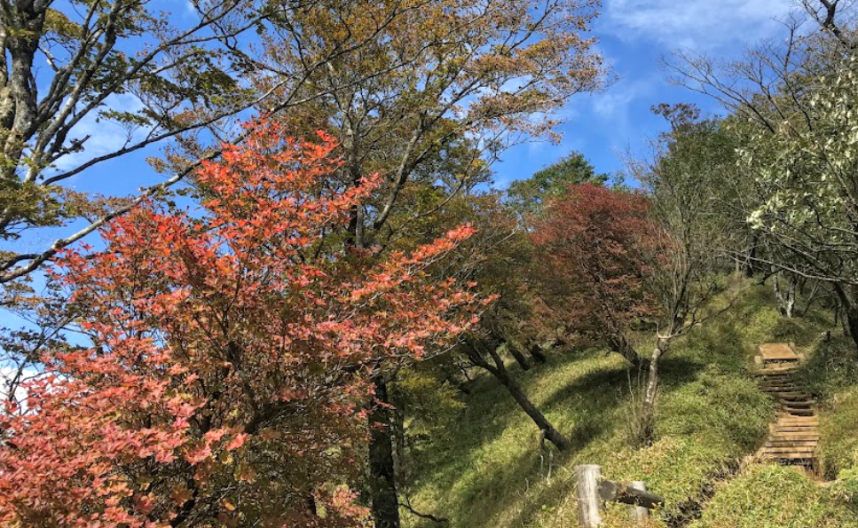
232	350
598	247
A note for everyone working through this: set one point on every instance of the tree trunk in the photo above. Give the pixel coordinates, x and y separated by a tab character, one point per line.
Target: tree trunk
752	256
812	298
385	501
535	351
548	430
648	410
498	370
849	307
850	324
519	357
24	25
621	346
786	299
840	318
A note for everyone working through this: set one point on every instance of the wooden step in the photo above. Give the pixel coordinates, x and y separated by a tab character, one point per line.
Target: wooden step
789	452
769	363
793	437
796	436
778	450
791	443
792	459
798	403
789	455
802	419
777	352
793	429
796	396
796	410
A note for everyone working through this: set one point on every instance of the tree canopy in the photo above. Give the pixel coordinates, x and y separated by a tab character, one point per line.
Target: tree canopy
233	338
528	195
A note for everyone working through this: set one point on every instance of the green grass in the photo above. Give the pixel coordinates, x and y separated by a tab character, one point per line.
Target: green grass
774	496
832	375
769	496
482	468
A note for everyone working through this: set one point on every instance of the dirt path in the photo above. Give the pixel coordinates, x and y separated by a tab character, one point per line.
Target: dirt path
794	437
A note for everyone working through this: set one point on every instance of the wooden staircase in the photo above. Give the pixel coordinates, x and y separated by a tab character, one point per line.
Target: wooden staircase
794	437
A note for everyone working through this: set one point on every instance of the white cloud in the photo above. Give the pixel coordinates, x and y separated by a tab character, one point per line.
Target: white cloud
7	373
696	24
615	101
104	136
614	111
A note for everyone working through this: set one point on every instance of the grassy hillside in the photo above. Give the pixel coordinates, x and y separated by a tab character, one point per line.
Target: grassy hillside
774	496
487	470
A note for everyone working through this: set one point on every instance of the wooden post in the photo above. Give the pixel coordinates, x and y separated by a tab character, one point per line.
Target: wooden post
588	477
639	514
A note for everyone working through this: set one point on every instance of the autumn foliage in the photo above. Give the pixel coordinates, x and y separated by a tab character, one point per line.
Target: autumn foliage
599	247
228	380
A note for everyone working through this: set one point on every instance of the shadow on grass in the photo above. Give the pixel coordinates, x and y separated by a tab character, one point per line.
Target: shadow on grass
487	470
831	367
484	469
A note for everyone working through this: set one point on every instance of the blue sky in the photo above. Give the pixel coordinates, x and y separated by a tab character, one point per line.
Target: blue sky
634	35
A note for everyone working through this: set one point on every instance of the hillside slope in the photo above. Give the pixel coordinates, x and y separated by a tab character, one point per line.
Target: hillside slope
488	471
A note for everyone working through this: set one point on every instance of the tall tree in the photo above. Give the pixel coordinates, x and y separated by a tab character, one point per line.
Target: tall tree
231	356
173	80
693	238
498	259
597	248
528	195
479	78
160	81
792	114
614	259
